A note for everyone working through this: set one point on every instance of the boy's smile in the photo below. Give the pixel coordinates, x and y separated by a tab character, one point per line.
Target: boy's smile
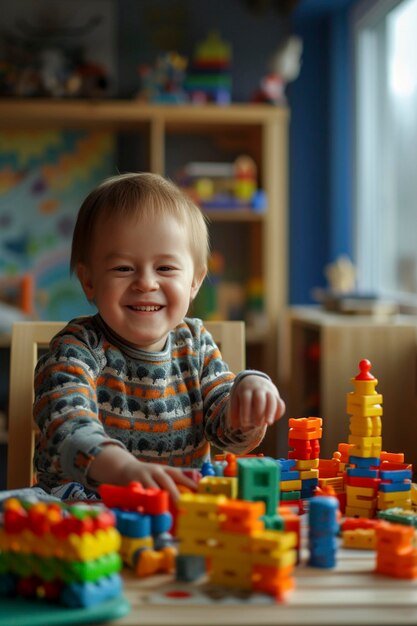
140	275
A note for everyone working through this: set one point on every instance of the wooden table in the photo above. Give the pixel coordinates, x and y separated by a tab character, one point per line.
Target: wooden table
349	594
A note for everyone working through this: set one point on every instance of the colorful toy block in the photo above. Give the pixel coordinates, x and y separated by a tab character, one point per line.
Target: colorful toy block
395	554
143	521
323	520
259	480
62	553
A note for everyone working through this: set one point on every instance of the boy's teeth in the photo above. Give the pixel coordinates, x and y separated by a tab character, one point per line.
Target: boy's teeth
146	308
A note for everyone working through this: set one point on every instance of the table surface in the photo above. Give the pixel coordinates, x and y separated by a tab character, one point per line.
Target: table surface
350	593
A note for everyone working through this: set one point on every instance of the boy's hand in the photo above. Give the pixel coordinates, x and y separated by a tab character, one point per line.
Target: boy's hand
117	466
152	475
255	402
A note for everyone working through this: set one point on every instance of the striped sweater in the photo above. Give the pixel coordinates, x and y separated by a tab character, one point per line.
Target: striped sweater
165	407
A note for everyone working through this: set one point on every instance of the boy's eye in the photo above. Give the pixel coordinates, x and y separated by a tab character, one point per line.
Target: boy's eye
122	268
165	268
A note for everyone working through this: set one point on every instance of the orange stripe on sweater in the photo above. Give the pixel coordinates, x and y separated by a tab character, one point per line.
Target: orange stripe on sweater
151	427
182	424
57	395
64	367
118	422
193	456
215	382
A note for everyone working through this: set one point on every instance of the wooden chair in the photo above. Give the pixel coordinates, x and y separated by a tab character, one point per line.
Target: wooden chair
27	338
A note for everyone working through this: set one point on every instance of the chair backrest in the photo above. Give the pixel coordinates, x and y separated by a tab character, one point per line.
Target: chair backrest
27	338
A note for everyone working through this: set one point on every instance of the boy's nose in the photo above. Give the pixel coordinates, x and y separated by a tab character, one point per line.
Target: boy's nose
146	282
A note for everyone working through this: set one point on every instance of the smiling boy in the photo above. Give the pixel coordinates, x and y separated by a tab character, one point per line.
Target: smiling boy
139	389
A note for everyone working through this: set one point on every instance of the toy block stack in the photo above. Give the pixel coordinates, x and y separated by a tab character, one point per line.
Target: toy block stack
323	527
143	521
364	405
209	77
218	485
359	533
258	480
304	438
395	482
60	553
231	538
395	553
290	482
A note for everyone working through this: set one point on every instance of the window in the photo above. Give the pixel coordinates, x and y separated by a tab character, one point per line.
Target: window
386	148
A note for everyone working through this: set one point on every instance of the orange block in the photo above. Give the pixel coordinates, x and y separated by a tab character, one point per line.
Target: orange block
241	516
274	581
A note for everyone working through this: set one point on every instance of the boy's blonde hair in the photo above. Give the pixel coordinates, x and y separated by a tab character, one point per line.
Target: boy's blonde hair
143	194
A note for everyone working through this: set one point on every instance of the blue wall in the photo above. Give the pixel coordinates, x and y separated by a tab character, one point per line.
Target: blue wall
320	145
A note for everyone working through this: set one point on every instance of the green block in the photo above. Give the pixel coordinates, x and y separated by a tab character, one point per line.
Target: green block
290	495
90	571
258	479
273	522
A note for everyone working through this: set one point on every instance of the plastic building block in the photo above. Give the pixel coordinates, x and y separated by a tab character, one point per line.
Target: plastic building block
323	527
190	567
259	480
57	552
156	561
396	556
133	497
219	485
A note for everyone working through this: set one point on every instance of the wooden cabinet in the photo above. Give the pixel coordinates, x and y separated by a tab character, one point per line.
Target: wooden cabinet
325	350
164	137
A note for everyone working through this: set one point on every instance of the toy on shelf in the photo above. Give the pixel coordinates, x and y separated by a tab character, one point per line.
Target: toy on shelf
224	186
164	82
342	295
65	554
284	67
209	76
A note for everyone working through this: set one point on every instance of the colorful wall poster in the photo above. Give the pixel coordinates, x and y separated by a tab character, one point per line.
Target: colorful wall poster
44	177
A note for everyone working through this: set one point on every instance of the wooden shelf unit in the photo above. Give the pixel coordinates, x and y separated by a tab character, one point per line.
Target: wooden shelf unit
261	130
325	352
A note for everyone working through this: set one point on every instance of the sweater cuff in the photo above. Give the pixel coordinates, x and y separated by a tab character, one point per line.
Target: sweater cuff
77	458
245	373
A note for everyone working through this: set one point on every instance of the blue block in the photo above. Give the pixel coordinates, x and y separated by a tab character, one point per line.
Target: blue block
89	594
393	487
360	461
161	523
361	472
396	475
286	464
323	514
326	562
290	475
207	469
132	524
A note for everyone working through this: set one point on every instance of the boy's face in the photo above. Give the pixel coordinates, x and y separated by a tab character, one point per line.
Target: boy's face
140	275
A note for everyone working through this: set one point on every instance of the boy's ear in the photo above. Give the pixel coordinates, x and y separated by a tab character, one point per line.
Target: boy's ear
196	284
84	276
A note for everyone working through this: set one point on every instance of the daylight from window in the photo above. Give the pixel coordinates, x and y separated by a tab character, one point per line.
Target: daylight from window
386	162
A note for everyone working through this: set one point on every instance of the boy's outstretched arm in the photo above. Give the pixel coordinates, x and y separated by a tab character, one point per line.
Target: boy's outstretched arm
117	466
